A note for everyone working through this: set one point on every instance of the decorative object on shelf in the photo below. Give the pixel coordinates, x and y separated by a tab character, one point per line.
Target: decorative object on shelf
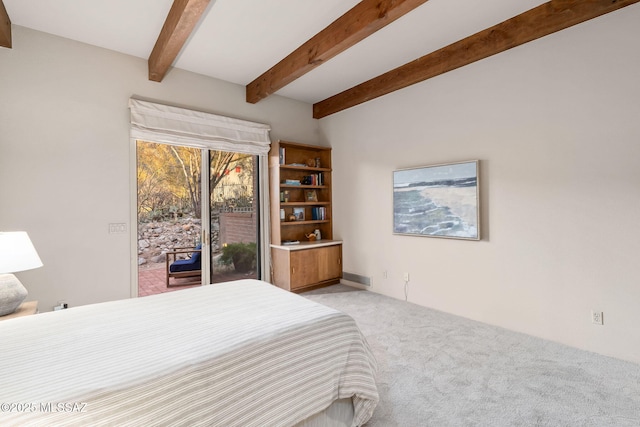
299	214
282	215
311	163
311	196
16	254
292	217
438	201
318	234
317	161
311	237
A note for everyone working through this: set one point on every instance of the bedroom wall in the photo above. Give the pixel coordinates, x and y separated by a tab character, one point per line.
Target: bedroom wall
65	161
556	126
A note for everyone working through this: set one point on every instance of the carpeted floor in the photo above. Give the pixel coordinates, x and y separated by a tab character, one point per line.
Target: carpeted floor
436	369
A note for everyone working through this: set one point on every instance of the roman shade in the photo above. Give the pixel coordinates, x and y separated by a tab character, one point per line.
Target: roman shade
167	124
173	125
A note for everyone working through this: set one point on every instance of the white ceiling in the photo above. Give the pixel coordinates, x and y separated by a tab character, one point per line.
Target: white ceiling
237	40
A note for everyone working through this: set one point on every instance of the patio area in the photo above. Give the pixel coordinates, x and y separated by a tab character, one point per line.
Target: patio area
153	280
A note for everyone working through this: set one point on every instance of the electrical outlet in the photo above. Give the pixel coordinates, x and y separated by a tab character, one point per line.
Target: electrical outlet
406	277
597	317
62	305
384	274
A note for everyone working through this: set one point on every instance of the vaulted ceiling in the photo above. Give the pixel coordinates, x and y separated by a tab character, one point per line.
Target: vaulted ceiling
332	53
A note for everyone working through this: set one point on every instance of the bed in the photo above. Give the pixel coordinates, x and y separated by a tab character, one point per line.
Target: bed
241	353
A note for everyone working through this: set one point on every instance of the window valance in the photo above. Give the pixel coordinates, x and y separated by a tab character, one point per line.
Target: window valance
173	125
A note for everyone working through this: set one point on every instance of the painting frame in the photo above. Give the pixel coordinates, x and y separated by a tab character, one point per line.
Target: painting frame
311	196
440	200
299	214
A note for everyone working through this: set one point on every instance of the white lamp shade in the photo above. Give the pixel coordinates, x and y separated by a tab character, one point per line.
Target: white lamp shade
17	252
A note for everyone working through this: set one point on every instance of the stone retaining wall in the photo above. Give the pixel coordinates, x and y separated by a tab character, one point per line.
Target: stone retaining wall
155	239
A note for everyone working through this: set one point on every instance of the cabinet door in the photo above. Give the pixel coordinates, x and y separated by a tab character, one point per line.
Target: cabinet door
304	268
329	263
312	266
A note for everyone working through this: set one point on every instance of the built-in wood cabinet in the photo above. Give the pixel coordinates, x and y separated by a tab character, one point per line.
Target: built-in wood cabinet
300	194
307	265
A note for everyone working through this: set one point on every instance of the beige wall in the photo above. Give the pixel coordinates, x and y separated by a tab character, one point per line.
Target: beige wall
64	154
556	126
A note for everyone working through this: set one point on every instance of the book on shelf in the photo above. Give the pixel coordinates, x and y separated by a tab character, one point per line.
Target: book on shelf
319	213
291	182
313	179
291	242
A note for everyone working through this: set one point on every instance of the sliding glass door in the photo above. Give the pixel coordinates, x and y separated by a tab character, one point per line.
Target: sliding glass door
197	217
233	216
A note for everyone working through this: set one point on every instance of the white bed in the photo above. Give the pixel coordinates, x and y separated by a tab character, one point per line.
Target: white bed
240	353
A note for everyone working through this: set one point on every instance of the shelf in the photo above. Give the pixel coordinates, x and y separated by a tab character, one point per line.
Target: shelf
304	168
300	154
303	186
293	223
306	264
304	204
308	245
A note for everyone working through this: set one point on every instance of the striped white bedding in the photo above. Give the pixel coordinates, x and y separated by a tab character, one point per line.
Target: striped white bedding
240	353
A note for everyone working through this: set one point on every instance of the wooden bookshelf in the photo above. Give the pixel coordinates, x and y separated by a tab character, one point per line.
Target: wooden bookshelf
294	171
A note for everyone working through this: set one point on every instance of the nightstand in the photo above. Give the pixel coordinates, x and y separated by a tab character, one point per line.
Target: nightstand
25	309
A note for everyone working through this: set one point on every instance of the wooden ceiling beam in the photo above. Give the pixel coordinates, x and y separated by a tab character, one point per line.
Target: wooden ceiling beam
361	21
182	19
5	27
548	18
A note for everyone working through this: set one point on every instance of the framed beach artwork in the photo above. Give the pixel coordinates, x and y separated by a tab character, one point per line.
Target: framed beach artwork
438	201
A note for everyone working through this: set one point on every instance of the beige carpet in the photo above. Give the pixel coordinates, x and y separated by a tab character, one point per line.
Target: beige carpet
436	369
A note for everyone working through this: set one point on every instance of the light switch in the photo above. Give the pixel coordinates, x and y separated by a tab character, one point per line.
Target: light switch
117	227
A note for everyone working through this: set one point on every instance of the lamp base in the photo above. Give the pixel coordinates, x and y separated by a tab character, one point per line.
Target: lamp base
12	293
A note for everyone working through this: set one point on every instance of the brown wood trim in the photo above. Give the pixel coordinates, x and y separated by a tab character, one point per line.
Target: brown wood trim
535	23
180	22
304	146
5	27
316	286
361	21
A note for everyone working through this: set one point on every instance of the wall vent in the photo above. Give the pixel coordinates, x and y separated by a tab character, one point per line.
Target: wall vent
356	278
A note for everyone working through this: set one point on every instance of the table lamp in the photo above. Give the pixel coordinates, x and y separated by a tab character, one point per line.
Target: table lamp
16	254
